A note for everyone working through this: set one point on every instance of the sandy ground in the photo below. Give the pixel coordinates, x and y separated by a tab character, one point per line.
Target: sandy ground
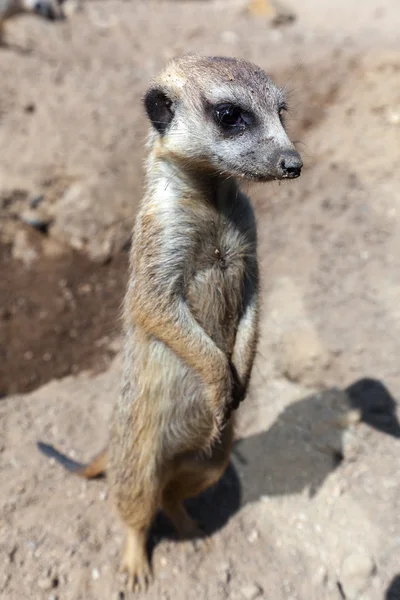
304	512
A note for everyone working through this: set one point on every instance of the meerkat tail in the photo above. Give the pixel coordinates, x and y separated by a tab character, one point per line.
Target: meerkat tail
95	468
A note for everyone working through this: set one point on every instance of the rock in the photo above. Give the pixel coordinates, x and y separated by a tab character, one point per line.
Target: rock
45	584
251	591
357	569
48	583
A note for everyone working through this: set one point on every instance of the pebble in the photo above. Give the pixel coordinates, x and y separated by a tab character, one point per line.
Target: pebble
224	572
251	591
46	583
357	569
320	576
95	574
253	536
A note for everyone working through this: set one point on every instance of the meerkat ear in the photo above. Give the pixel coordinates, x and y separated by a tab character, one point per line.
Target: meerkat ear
159	109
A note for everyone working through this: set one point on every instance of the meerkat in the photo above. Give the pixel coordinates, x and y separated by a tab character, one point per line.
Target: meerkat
191	311
46	9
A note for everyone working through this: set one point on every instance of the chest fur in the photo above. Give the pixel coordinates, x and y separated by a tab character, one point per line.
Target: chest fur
216	285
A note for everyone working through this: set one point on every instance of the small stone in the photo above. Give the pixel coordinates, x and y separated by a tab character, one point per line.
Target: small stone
253	536
95	574
320	576
357	570
251	591
224	572
46	583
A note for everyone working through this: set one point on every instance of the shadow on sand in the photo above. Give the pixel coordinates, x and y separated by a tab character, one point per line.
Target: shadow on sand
393	591
291	456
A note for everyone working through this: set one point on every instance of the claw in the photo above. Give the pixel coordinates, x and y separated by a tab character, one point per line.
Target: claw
136	564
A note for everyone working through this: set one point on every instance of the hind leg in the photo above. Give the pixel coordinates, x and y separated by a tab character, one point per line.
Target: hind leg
192	481
173	507
135	561
137	506
194	474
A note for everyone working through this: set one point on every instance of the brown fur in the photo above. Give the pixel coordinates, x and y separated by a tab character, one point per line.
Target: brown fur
191	309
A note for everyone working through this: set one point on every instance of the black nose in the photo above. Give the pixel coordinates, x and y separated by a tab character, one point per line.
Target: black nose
289	164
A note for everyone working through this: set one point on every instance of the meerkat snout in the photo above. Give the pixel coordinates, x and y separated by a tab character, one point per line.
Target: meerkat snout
224	114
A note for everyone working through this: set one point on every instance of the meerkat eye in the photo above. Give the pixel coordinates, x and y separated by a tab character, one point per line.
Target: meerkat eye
229	116
282	109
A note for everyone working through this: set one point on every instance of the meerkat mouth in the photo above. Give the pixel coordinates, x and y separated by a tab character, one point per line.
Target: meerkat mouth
259	178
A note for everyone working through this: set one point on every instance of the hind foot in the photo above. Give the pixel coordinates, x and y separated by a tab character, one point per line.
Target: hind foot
136	563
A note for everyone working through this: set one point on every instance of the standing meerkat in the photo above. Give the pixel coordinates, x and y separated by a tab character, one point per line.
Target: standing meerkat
191	309
46	9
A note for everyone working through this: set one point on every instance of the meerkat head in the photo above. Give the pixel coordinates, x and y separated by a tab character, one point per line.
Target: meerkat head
224	115
47	9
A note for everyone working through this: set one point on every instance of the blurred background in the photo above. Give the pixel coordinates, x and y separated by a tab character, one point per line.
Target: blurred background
310	506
